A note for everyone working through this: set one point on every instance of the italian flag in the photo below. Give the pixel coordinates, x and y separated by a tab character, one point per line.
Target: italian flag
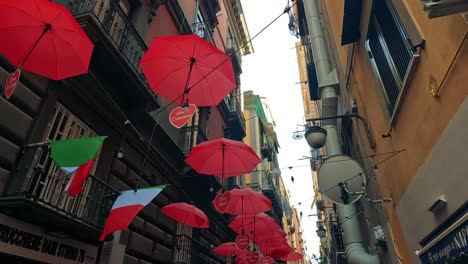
127	206
76	158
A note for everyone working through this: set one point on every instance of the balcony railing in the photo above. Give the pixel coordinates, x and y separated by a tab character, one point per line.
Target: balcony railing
188	250
38	181
114	22
191	136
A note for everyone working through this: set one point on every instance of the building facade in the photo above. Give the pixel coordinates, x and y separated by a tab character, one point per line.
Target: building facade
401	66
39	222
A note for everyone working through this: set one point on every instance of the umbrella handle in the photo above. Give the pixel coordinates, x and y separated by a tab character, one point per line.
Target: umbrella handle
47	28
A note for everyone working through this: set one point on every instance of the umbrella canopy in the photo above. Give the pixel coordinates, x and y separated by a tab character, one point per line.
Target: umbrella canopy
247	202
186	68
223	158
186	214
228	249
278	252
240	260
259	226
43	37
292	256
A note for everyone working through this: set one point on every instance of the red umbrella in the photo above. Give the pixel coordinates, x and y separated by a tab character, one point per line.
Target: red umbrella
247	202
188	69
240	259
43	37
260	225
223	158
292	256
279	251
186	214
228	249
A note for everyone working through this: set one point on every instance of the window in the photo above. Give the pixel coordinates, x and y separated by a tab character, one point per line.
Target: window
62	125
392	56
201	28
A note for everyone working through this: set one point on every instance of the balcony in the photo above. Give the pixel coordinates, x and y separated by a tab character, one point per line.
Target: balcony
270	190
119	47
35	194
235	117
191	136
189	250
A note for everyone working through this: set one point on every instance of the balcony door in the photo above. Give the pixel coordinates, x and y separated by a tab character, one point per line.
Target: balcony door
52	181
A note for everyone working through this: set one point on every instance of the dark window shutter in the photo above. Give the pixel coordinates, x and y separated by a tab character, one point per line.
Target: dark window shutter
313	82
351	22
301	17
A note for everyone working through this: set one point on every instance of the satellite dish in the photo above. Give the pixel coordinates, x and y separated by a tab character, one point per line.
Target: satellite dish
338	169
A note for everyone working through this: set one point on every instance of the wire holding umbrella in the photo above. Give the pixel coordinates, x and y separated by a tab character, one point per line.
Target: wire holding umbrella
187	214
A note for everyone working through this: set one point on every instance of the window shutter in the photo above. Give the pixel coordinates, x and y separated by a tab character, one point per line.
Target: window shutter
313	82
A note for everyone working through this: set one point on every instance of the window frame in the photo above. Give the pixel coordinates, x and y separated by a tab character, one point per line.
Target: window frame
402	83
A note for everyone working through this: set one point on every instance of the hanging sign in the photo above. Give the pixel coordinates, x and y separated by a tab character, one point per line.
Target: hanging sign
18	238
181	115
267	260
11	82
221	201
252	257
451	246
242	241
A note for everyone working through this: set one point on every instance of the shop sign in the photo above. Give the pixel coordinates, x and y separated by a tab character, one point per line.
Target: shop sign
450	247
25	240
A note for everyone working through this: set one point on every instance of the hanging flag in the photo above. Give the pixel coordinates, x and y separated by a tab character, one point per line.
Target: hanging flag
76	158
127	206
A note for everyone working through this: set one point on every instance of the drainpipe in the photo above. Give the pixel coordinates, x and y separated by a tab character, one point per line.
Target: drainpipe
328	83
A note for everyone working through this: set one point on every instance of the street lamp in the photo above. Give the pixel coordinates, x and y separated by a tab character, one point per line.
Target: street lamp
317	136
321	232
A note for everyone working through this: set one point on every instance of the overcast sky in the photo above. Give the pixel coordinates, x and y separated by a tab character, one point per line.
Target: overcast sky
272	71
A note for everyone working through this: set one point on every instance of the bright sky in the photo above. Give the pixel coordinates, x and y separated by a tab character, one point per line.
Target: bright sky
272	71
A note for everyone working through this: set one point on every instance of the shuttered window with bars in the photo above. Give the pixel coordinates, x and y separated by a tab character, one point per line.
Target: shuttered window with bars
392	56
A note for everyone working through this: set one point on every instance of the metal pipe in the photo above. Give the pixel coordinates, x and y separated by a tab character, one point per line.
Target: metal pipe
353	241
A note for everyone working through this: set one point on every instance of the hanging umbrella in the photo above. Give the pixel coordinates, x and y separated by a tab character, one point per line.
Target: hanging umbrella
228	249
279	251
247	202
292	256
186	214
188	69
223	158
259	226
43	37
240	260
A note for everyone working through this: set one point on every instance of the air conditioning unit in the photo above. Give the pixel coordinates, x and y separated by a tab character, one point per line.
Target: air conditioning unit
439	8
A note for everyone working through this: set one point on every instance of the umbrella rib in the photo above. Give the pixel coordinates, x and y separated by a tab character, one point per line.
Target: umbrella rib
205	80
39	11
57	34
28	14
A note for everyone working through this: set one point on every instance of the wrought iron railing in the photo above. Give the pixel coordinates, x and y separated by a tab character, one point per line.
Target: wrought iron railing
188	250
191	136
115	23
38	179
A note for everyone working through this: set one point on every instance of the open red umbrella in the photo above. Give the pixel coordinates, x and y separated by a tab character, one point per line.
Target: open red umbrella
223	158
292	256
247	202
259	226
228	249
187	214
188	69
43	37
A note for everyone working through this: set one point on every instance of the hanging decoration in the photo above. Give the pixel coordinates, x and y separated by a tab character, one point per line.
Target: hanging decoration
242	241
76	158
180	116
127	206
187	214
252	257
222	201
42	37
188	69
247	202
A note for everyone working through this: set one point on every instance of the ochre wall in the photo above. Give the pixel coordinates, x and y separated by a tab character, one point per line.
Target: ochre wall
422	117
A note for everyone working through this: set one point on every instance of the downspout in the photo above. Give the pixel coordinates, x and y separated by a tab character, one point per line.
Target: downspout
328	82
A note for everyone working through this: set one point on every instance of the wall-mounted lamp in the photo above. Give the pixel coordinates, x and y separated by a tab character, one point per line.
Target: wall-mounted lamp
316	137
369	135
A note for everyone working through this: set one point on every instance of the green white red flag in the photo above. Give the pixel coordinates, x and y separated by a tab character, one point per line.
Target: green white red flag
127	206
76	158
